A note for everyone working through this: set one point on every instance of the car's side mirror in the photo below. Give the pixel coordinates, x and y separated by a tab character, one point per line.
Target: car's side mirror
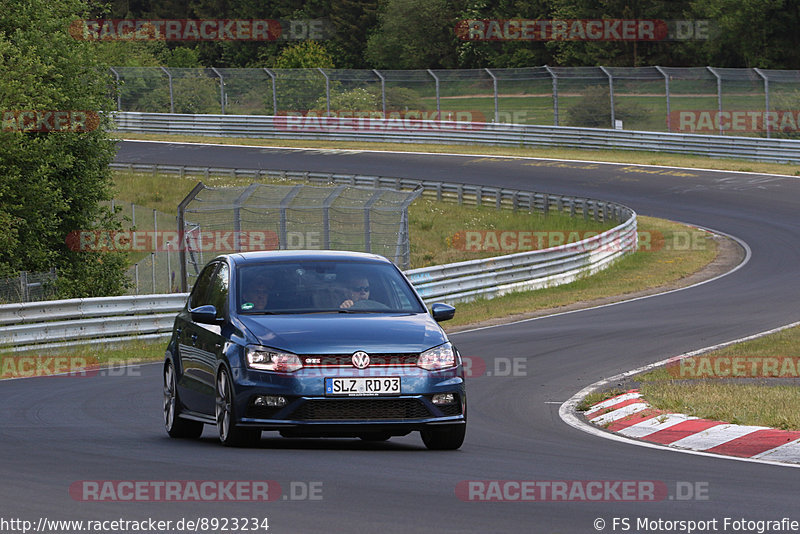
442	312
206	314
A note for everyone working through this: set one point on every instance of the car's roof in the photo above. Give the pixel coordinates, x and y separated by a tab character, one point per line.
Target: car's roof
263	256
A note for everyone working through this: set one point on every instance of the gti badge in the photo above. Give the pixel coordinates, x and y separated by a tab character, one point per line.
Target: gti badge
360	359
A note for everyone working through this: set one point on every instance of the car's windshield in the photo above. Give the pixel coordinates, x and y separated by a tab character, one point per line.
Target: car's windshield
323	286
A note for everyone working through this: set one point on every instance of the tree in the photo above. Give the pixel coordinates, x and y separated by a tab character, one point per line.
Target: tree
52	182
752	33
414	34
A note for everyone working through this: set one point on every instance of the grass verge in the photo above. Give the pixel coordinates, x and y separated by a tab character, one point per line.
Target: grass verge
750	383
434	225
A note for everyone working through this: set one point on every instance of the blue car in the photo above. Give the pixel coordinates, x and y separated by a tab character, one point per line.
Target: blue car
312	344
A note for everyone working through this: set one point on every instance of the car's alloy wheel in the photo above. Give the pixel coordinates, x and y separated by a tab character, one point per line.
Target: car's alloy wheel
229	433
176	427
447	438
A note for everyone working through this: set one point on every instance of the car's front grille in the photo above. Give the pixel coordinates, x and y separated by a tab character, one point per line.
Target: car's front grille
346	360
361	409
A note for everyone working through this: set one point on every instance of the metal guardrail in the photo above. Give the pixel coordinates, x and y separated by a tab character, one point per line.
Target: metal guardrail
50	324
452	132
56	323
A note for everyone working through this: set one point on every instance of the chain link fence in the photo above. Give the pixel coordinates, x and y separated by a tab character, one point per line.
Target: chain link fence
709	100
28	287
215	220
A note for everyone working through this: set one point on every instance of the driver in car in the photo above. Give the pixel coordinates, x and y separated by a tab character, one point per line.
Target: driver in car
358	289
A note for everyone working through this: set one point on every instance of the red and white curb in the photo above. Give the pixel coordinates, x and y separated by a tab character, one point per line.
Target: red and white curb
629	415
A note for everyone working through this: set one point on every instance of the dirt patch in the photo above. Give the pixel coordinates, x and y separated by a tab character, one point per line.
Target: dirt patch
729	255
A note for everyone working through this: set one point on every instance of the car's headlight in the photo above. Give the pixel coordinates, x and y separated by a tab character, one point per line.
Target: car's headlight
267	359
440	357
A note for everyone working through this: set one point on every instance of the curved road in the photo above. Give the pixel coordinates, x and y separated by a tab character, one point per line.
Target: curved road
56	431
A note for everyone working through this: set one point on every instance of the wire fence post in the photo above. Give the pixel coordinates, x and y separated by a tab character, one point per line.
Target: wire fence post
438	106
610	95
766	100
719	98
555	94
118	88
383	91
666	90
274	91
327	91
494	85
171	95
221	90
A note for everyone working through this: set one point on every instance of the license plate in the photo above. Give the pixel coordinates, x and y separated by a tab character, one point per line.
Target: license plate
363	386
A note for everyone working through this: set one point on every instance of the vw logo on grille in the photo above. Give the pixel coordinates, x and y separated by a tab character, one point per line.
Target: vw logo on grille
360	359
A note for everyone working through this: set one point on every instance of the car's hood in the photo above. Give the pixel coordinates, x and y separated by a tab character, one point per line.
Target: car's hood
342	334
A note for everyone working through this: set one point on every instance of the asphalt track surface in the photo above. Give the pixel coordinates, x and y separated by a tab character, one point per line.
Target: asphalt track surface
56	431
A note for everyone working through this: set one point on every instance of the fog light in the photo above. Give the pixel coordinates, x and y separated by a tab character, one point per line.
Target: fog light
443	398
273	401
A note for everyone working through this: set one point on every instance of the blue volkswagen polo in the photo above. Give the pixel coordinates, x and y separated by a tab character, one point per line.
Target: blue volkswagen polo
312	344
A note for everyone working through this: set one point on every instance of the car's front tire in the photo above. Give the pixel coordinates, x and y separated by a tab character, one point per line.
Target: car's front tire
446	438
229	434
175	426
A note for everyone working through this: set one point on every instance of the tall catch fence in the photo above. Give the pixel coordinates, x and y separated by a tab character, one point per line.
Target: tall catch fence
213	220
752	102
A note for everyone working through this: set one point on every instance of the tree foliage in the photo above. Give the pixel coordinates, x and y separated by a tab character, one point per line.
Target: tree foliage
404	34
52	183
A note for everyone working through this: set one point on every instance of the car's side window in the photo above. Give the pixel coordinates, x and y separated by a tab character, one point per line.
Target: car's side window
200	290
218	290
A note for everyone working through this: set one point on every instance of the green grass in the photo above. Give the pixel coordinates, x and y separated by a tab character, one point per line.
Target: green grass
632	273
434	226
763	401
